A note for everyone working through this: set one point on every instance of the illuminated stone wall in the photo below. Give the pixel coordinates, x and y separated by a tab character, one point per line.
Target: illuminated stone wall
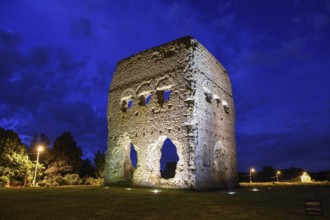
198	118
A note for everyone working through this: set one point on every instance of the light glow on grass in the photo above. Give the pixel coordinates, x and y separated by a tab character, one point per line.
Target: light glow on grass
155	191
255	190
128	189
231	192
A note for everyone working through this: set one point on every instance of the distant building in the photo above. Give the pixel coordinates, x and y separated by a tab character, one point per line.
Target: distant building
305	178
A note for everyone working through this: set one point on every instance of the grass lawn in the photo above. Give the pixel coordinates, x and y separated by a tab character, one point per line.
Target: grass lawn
91	202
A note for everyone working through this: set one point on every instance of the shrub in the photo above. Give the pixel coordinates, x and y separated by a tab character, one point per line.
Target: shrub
72	179
42	183
88	181
16	183
4	181
94	182
61	181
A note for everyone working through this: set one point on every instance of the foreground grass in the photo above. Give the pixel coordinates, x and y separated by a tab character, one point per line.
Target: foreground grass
88	202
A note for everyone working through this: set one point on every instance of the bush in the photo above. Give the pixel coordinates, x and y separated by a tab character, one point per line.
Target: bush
61	181
4	181
16	183
93	182
72	179
42	183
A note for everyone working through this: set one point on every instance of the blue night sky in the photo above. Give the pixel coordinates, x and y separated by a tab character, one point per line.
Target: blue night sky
57	59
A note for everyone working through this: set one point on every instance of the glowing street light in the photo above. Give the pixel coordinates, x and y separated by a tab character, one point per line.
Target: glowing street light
277	174
251	171
40	148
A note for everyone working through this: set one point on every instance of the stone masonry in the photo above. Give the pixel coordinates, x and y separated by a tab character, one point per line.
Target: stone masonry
198	118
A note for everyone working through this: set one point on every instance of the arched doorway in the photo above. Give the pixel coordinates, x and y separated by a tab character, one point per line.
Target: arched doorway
169	159
133	156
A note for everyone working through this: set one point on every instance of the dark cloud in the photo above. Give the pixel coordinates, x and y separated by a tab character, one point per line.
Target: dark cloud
9	39
293	49
11	59
246	105
39	55
67	62
81	27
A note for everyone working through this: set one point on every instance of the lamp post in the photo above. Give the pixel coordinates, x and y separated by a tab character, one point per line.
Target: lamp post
40	148
251	171
277	174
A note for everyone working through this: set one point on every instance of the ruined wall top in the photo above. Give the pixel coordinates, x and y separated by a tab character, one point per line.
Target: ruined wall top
182	47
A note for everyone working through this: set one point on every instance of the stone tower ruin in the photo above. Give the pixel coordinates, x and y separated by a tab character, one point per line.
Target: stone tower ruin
178	91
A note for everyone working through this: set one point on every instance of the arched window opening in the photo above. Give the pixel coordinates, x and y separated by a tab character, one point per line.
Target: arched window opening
133	156
144	100
148	99
169	159
167	95
130	103
163	96
126	104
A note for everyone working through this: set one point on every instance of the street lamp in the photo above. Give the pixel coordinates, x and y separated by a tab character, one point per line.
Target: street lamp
277	174
40	148
251	171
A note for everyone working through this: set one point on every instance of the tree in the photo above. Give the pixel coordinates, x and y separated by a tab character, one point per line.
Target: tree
291	173
58	167
87	169
46	155
14	162
99	163
65	148
267	174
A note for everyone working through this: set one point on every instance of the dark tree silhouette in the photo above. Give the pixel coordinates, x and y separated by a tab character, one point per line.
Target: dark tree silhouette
87	169
65	148
46	156
99	163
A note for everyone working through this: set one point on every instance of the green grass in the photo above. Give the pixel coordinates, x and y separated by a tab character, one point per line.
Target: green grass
88	202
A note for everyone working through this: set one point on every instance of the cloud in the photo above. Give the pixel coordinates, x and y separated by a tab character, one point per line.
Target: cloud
246	105
289	50
10	58
67	63
39	55
82	27
320	21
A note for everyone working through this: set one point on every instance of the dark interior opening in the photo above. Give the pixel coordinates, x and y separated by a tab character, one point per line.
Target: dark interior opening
142	100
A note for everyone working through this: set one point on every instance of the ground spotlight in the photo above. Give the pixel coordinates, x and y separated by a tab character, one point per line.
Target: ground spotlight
155	191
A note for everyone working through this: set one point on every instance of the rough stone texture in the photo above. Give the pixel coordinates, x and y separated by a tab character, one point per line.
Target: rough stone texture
199	118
